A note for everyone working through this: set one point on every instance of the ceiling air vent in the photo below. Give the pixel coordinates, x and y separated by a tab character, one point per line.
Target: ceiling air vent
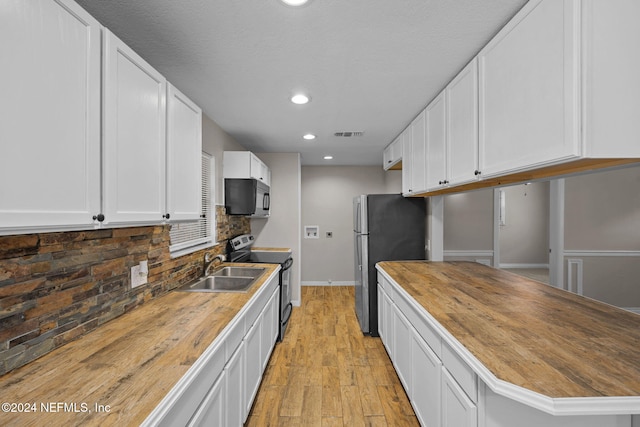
348	134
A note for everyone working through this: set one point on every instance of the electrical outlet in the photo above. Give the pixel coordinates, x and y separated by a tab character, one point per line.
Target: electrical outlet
139	274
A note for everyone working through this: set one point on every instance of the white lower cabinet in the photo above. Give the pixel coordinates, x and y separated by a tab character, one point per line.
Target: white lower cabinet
219	389
457	409
401	337
212	409
234	388
253	365
426	369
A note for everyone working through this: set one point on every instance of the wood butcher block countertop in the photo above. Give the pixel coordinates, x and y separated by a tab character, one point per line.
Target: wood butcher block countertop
529	334
129	363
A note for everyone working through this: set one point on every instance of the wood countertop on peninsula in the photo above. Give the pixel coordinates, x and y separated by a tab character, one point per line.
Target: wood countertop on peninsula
129	363
543	339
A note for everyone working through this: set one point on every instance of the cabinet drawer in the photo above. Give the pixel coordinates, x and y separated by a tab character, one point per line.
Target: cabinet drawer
462	373
416	317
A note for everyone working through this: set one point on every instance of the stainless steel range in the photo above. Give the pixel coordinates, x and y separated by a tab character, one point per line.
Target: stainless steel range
239	250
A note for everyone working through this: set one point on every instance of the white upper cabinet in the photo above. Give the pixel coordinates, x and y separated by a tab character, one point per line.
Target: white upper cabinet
392	155
133	136
50	109
418	156
462	126
184	154
529	90
245	164
611	91
407	163
436	142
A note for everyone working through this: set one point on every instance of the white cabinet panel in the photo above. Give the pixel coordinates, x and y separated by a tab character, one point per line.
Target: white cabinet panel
402	332
457	409
252	365
184	157
134	136
269	328
436	142
611	58
392	154
50	109
407	162
245	164
234	388
462	126
426	370
212	409
529	91
418	153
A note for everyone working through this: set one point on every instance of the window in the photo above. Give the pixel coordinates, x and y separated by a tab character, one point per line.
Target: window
189	237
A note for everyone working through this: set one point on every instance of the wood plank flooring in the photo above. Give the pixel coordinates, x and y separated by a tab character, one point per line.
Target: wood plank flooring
327	373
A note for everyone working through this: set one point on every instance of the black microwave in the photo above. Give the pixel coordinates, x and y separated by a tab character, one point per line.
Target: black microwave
248	197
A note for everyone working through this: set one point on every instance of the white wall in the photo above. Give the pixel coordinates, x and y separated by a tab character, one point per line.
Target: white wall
524	238
327	197
214	142
282	229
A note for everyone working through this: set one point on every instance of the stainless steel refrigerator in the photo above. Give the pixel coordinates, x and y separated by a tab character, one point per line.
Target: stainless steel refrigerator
386	227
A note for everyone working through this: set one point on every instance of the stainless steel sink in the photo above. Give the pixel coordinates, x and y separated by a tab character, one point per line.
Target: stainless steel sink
226	279
239	272
220	284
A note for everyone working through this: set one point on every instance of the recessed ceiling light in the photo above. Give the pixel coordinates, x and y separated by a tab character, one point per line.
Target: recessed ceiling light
294	2
309	136
300	98
328	157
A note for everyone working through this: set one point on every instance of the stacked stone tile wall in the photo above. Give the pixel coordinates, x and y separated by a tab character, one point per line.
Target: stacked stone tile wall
55	287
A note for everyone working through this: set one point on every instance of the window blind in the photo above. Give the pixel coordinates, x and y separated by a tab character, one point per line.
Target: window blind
192	234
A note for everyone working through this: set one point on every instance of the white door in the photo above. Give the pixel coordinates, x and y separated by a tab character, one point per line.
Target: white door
252	365
457	409
50	113
436	143
407	155
426	369
234	388
418	147
134	136
184	157
211	411
462	126
529	91
269	328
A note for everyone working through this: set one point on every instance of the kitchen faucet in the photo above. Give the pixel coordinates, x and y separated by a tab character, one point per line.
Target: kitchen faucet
208	261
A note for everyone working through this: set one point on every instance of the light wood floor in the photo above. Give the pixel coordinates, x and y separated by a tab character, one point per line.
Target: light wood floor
326	373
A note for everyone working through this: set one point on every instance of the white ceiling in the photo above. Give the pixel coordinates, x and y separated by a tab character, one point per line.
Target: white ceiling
369	65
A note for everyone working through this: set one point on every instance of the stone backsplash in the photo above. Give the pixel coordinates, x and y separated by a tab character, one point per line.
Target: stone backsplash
55	287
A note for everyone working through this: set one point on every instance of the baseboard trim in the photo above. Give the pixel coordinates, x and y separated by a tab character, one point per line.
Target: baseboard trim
605	253
327	283
462	253
517	265
632	309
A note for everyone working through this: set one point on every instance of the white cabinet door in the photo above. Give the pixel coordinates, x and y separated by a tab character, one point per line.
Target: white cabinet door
252	365
234	388
134	158
269	328
529	91
611	91
212	409
457	409
50	110
418	153
392	154
184	157
426	369
402	331
462	126
407	162
436	143
259	170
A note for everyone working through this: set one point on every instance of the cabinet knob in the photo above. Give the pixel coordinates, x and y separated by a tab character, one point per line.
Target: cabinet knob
98	217
166	216
203	216
440	182
476	173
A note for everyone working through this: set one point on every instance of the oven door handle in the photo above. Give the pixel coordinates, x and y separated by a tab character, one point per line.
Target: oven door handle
287	264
